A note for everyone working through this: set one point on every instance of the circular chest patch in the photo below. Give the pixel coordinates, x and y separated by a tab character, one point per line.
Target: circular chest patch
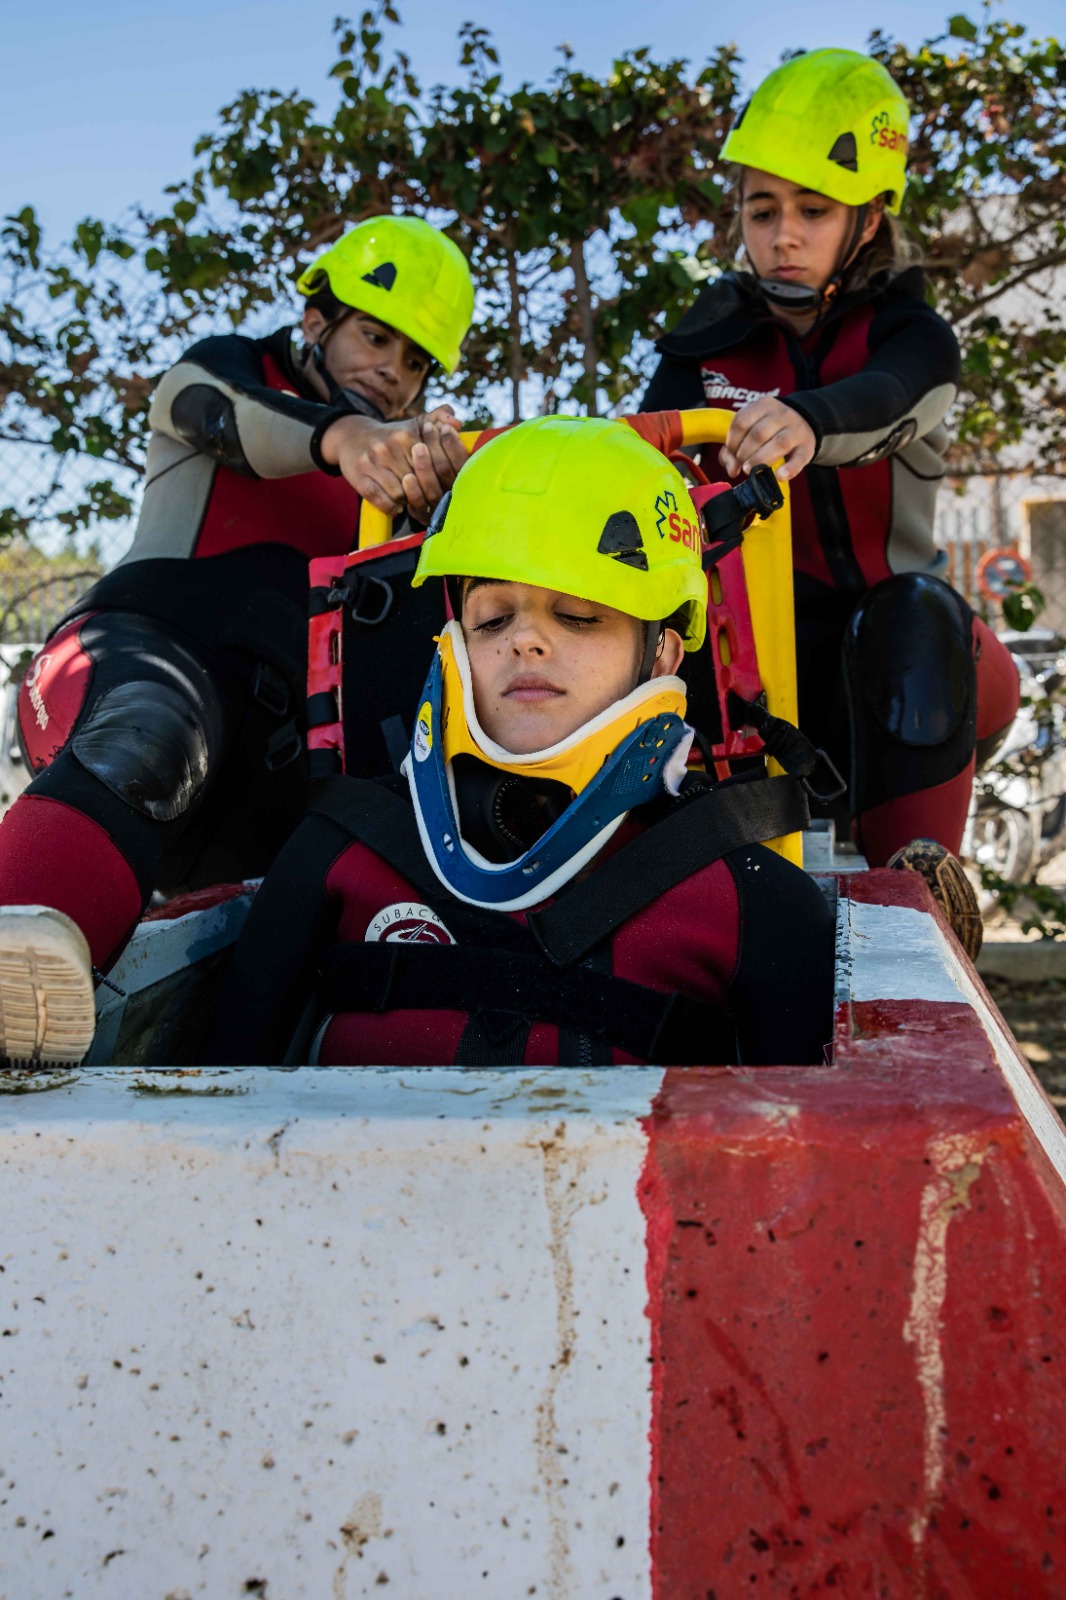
406	922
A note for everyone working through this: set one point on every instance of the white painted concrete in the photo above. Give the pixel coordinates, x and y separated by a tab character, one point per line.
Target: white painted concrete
895	953
346	1333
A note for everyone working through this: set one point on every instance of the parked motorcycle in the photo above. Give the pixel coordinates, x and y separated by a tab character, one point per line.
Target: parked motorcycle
1017	819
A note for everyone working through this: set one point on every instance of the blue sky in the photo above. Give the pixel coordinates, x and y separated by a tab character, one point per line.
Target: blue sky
101	104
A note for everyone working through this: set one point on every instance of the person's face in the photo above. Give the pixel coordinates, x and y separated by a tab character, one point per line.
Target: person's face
543	663
366	355
795	235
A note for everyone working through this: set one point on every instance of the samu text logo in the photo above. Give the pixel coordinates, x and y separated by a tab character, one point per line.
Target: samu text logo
886	137
682	531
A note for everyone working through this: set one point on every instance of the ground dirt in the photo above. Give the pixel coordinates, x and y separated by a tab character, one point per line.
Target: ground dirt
1035	1012
1036	1015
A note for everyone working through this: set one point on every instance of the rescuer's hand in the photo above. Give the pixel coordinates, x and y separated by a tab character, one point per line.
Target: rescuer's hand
765	430
392	464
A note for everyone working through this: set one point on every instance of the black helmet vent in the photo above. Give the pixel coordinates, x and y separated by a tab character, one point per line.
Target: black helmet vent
621	539
845	153
384	277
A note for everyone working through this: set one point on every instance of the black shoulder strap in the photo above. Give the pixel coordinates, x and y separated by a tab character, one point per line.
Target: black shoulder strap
699	832
379	817
378	813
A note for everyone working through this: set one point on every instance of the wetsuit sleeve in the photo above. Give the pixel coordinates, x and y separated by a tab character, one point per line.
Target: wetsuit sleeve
272	972
782	989
907	383
216	400
675	386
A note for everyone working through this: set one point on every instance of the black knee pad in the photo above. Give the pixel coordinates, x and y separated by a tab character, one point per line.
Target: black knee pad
150	744
911	686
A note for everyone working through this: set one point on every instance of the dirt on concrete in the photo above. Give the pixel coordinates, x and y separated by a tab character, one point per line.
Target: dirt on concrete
1034	1010
1036	1015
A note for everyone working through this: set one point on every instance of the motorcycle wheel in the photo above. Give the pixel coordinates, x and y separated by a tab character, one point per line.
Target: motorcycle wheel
1003	841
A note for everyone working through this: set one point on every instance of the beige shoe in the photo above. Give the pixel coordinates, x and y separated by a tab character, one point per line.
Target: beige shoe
952	889
47	1008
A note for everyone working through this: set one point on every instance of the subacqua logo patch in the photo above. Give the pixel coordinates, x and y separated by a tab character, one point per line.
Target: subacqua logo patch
718	387
407	922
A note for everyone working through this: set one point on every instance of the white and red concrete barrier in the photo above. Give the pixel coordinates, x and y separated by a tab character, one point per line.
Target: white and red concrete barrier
785	1332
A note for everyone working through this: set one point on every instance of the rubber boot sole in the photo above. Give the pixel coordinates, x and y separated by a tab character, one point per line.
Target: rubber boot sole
47	1006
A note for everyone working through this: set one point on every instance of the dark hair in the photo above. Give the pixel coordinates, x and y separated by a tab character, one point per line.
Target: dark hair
889	252
323	299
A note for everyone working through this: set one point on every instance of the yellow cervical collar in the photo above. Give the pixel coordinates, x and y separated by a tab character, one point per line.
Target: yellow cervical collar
574	761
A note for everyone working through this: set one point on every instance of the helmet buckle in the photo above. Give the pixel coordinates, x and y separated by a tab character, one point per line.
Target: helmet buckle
369	599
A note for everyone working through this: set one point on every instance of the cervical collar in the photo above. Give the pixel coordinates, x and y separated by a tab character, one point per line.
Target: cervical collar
627	755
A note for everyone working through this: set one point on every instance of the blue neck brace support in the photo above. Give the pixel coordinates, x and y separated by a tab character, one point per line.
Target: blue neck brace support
631	776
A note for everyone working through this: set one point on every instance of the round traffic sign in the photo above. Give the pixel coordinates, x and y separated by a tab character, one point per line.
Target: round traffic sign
1002	572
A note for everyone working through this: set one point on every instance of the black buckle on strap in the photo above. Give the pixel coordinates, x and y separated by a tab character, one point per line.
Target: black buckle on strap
839	783
270	690
283	747
369	599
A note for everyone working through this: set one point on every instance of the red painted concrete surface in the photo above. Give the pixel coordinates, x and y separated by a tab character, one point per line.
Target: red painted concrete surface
859	1321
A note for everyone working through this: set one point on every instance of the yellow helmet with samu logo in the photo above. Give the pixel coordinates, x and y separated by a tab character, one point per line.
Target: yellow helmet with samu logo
831	120
404	273
587	508
581	505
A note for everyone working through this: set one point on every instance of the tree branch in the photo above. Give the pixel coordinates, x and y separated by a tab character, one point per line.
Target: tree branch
586	322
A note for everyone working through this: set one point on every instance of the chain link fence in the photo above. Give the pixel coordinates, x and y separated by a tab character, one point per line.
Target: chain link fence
78	341
85	344
40	580
47	490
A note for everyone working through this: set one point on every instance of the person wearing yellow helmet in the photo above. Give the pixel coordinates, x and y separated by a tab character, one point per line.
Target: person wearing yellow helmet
841	375
545	882
386	303
164	719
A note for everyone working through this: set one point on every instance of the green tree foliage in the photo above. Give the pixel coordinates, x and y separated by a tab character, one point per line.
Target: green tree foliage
987	198
589	210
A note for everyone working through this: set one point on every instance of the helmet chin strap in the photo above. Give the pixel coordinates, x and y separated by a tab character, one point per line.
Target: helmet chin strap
347	399
800	300
653	638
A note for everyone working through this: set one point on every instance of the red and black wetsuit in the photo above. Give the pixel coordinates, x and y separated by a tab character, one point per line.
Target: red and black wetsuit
874	380
164	719
740	953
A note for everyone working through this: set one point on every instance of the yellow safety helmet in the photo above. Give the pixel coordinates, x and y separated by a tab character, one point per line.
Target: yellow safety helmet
831	120
582	505
407	275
